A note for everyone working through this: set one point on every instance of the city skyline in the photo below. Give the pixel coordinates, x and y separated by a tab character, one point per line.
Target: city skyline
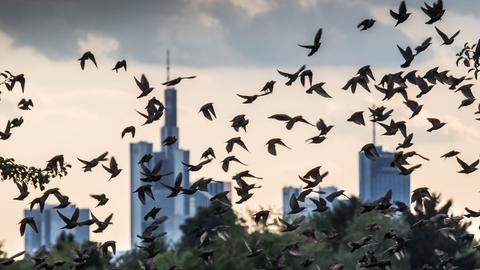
80	114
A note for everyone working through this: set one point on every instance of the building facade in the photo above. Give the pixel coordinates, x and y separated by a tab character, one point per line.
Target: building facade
49	226
377	177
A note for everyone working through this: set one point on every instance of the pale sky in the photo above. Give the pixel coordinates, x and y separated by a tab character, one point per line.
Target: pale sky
232	47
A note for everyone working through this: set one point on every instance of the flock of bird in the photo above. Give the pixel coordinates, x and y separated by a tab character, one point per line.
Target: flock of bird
403	83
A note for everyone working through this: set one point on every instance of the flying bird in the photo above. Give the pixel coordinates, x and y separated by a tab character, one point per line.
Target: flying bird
402	14
271	145
436	124
366	24
112	169
316	43
143	85
101	198
318	88
467	168
446	39
87	56
434	12
177	80
208	111
119	65
129	129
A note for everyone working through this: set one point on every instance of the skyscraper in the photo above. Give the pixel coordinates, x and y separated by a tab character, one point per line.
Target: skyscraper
377	177
49	226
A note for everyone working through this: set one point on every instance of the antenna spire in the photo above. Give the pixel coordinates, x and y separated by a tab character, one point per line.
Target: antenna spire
373	130
168	64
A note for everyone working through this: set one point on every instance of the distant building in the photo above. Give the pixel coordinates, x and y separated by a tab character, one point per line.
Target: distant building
49	224
377	177
201	199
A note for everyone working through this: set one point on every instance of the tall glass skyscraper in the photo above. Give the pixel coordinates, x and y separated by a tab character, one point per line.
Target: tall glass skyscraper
49	224
377	177
176	208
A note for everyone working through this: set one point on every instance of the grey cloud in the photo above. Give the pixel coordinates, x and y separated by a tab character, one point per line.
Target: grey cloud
144	29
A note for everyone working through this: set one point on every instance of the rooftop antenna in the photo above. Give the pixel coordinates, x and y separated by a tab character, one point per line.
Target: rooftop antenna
168	65
373	130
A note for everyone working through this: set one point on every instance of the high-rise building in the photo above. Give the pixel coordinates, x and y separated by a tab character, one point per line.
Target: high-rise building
377	177
49	226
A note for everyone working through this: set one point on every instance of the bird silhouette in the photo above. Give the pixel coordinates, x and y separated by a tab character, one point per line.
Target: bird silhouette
129	129
316	43
402	14
177	80
446	39
119	65
366	24
88	55
208	111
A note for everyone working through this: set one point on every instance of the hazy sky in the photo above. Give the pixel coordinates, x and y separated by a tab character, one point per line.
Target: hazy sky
233	47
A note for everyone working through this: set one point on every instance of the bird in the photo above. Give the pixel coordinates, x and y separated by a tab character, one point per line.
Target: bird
23	189
292	77
316	43
272	143
253	250
208	111
101	198
197	167
366	24
235	141
288	227
370	151
434	12
320	205
402	14
89	165
467	168
471	213
316	139
407	55
108	244
261	217
436	124
16	122
422	47
152	213
304	75
295	208
357	118
450	154
170	140
101	225
239	121
30	221
143	85
413	106
318	88
10	260
177	80
332	196
177	186
144	190
323	127
249	99
268	87
446	39
112	169
119	65
207	154
226	162
25	104
129	129
88	55
71	222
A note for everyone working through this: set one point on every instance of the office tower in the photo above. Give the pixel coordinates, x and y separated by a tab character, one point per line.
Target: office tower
49	226
377	177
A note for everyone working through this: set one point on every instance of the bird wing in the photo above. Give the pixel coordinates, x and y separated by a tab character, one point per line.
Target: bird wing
441	34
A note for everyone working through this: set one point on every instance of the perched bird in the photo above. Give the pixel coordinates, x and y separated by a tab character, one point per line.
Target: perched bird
120	64
402	14
272	143
143	85
177	80
112	169
434	11
101	198
208	111
366	24
446	39
25	104
129	129
316	43
467	168
436	124
87	56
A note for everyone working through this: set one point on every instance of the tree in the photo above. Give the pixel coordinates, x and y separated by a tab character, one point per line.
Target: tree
424	240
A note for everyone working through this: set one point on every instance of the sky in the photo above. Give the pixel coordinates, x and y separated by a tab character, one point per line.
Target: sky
232	46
